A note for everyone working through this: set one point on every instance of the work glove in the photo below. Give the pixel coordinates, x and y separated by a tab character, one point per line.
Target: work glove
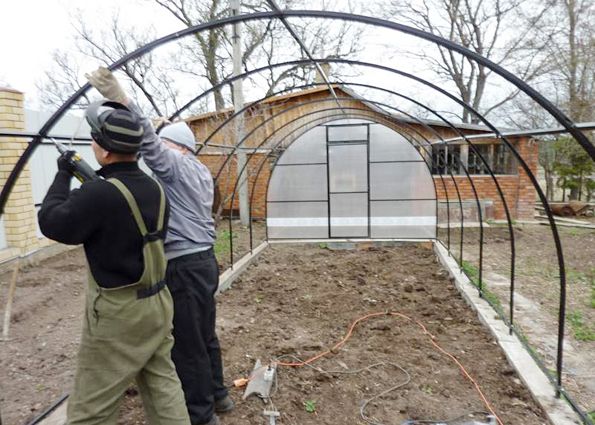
106	83
64	162
160	122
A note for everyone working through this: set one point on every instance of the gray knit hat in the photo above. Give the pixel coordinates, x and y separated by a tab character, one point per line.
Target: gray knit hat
180	134
114	127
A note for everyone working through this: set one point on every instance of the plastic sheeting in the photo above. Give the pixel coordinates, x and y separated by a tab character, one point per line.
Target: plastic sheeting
351	179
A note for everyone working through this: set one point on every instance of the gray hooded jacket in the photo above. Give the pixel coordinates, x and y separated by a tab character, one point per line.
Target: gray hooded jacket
188	185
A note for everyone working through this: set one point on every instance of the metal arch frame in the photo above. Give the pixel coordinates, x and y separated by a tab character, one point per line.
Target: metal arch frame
257	147
462	136
561	390
508	76
351	99
324	119
331	118
542	101
558	245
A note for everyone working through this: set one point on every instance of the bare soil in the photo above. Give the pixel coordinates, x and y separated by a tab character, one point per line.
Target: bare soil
537	294
296	301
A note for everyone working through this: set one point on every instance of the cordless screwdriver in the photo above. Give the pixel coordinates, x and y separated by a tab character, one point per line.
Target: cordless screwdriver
81	170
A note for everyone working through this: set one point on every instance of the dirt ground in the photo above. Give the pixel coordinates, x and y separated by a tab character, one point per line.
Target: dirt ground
295	302
537	294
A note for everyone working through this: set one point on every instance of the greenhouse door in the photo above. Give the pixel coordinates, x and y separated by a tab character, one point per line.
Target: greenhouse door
348	181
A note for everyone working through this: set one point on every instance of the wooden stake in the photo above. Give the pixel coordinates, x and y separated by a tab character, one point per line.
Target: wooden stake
11	291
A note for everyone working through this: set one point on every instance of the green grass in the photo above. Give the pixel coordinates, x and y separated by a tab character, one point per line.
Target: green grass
310	406
472	273
223	242
574	276
582	331
591	415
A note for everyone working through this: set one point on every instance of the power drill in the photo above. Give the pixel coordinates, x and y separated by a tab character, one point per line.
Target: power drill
81	170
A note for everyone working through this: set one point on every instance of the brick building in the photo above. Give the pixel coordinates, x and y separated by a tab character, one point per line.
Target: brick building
306	109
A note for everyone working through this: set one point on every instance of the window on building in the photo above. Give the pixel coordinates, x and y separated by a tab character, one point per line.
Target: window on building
449	158
474	163
446	159
504	161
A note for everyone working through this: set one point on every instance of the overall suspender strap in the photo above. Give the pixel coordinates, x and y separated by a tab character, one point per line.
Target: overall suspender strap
136	210
149	250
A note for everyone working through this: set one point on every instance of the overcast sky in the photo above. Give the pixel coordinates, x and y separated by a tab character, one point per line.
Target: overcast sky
31	29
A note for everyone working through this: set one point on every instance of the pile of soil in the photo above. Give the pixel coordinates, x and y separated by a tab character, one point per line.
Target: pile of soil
295	302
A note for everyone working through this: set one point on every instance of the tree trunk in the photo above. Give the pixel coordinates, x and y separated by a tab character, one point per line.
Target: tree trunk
549	185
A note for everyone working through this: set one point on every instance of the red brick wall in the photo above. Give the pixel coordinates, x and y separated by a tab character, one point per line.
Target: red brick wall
228	177
518	190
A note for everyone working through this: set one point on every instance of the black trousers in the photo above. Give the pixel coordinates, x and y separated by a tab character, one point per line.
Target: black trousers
192	280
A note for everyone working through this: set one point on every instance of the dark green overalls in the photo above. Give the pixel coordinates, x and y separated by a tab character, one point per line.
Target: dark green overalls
127	336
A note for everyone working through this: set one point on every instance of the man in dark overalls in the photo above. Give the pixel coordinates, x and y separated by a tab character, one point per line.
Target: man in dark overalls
192	271
121	220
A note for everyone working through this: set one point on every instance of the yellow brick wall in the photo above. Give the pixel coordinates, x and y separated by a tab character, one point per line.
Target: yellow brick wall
19	212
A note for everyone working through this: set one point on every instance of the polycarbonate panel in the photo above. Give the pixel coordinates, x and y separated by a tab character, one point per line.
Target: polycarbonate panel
298	183
388	145
348	121
348	168
349	215
307	149
405	180
347	133
297	220
405	219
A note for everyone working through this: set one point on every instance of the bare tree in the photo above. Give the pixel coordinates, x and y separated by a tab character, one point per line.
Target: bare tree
61	81
499	30
571	52
567	34
151	83
262	41
204	58
571	49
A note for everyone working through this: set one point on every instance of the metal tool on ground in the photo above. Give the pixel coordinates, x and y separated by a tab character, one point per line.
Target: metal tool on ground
261	380
81	169
272	414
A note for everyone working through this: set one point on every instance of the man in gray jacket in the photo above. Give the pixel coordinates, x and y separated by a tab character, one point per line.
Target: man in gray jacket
192	274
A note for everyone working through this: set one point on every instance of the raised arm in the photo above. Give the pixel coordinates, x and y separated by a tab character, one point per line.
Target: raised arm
160	159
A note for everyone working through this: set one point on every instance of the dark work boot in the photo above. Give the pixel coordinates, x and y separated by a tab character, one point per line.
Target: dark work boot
224	405
213	421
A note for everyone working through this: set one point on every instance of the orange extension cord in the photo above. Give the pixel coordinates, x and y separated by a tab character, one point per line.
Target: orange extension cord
432	340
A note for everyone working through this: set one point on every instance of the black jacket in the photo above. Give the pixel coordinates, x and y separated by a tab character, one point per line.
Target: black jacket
98	216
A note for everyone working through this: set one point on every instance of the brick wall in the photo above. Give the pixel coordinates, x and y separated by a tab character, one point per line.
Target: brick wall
228	177
518	190
20	220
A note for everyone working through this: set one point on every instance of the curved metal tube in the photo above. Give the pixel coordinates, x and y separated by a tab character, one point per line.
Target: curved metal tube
555	112
329	118
350	99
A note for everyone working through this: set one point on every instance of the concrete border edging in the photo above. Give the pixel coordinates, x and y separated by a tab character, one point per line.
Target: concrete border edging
228	276
557	410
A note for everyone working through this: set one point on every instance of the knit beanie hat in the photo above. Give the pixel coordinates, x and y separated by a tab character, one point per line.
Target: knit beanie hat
180	134
114	127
